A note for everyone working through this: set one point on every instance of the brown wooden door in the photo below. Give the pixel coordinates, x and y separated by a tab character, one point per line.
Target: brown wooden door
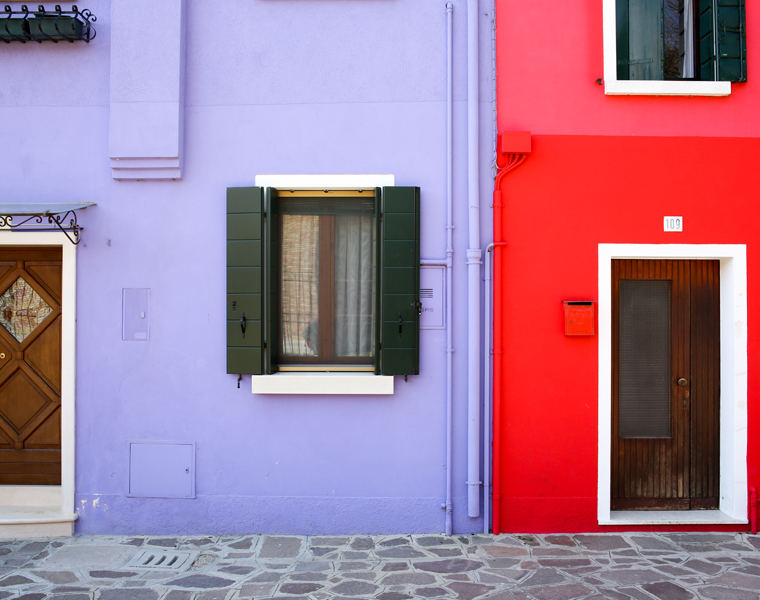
30	366
665	384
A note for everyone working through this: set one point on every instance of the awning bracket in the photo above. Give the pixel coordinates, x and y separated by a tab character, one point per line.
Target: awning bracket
62	218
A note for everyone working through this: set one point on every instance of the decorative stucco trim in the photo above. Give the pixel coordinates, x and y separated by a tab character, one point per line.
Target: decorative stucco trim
733	376
146	127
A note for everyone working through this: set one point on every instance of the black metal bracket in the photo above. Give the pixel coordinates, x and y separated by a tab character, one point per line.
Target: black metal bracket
56	219
47	26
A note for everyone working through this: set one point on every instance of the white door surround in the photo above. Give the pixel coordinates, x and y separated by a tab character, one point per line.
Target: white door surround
733	373
48	510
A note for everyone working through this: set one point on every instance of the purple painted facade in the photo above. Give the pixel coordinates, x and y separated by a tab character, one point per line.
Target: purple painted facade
265	87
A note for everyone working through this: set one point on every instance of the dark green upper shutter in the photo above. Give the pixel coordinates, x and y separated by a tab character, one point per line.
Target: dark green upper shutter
732	41
707	61
272	288
723	41
245	278
400	281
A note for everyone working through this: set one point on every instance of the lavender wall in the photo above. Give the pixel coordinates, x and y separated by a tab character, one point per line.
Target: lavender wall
271	86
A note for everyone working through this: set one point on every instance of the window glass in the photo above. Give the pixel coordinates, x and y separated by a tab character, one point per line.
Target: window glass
327	279
299	322
655	39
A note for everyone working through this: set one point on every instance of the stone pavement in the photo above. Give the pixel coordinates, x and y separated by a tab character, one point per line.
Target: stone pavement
637	566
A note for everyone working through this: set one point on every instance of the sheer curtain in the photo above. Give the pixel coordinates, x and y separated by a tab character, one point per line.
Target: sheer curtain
354	246
688	39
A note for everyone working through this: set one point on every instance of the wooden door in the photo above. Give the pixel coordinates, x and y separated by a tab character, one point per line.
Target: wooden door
665	384
30	366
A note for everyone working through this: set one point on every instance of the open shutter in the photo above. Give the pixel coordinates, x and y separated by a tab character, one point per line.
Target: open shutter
245	278
731	41
400	281
272	288
707	56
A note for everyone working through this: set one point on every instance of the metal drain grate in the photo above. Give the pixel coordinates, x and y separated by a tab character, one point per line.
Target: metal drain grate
175	560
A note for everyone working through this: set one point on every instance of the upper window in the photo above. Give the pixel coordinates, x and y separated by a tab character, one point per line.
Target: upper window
323	280
671	47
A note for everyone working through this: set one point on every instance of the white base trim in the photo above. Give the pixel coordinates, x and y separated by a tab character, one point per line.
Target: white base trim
333	383
671	517
24	515
29	495
733	374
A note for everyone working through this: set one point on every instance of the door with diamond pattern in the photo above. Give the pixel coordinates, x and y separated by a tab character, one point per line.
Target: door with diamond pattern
30	366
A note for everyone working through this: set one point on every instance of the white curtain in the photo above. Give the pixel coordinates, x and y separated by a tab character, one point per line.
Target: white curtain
353	285
688	39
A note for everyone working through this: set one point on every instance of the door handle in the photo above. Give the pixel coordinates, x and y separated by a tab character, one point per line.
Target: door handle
682	382
243	324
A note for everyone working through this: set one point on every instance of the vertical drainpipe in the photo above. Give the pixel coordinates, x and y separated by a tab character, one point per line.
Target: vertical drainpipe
473	268
449	262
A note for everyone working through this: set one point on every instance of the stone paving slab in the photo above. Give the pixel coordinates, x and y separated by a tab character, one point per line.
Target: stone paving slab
636	566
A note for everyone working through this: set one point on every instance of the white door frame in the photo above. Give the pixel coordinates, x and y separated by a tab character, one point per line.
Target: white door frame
33	495
733	382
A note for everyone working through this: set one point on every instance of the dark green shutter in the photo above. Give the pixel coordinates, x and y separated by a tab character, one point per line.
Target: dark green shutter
707	70
400	281
272	287
723	40
732	41
245	278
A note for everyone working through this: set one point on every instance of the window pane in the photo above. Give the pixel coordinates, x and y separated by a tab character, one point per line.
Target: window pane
644	359
354	279
299	324
655	39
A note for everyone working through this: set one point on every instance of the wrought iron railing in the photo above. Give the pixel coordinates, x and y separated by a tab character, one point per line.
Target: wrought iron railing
47	26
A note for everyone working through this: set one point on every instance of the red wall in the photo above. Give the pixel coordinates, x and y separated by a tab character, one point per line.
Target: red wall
603	169
549	56
573	193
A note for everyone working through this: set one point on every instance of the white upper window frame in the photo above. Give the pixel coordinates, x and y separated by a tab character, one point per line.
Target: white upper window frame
615	87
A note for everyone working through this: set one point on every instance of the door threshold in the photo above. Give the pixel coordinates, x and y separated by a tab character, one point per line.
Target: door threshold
35	522
670	517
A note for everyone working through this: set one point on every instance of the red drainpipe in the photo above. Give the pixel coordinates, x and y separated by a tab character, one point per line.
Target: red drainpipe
513	148
753	510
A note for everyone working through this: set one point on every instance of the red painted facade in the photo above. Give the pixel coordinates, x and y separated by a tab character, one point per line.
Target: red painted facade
602	169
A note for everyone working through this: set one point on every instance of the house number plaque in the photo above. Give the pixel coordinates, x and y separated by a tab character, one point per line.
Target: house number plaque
672	224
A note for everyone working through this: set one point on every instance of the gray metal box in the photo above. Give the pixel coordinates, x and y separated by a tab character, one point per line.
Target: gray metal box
135	314
161	470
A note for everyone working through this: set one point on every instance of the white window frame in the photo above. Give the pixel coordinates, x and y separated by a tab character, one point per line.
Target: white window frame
733	383
615	87
314	382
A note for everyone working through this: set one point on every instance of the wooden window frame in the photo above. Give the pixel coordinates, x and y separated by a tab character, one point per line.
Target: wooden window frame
325	358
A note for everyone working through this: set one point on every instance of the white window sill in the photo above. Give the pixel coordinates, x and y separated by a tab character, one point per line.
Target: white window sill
667	88
670	517
322	383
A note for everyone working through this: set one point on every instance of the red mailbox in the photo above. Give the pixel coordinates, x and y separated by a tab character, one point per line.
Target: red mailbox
579	317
